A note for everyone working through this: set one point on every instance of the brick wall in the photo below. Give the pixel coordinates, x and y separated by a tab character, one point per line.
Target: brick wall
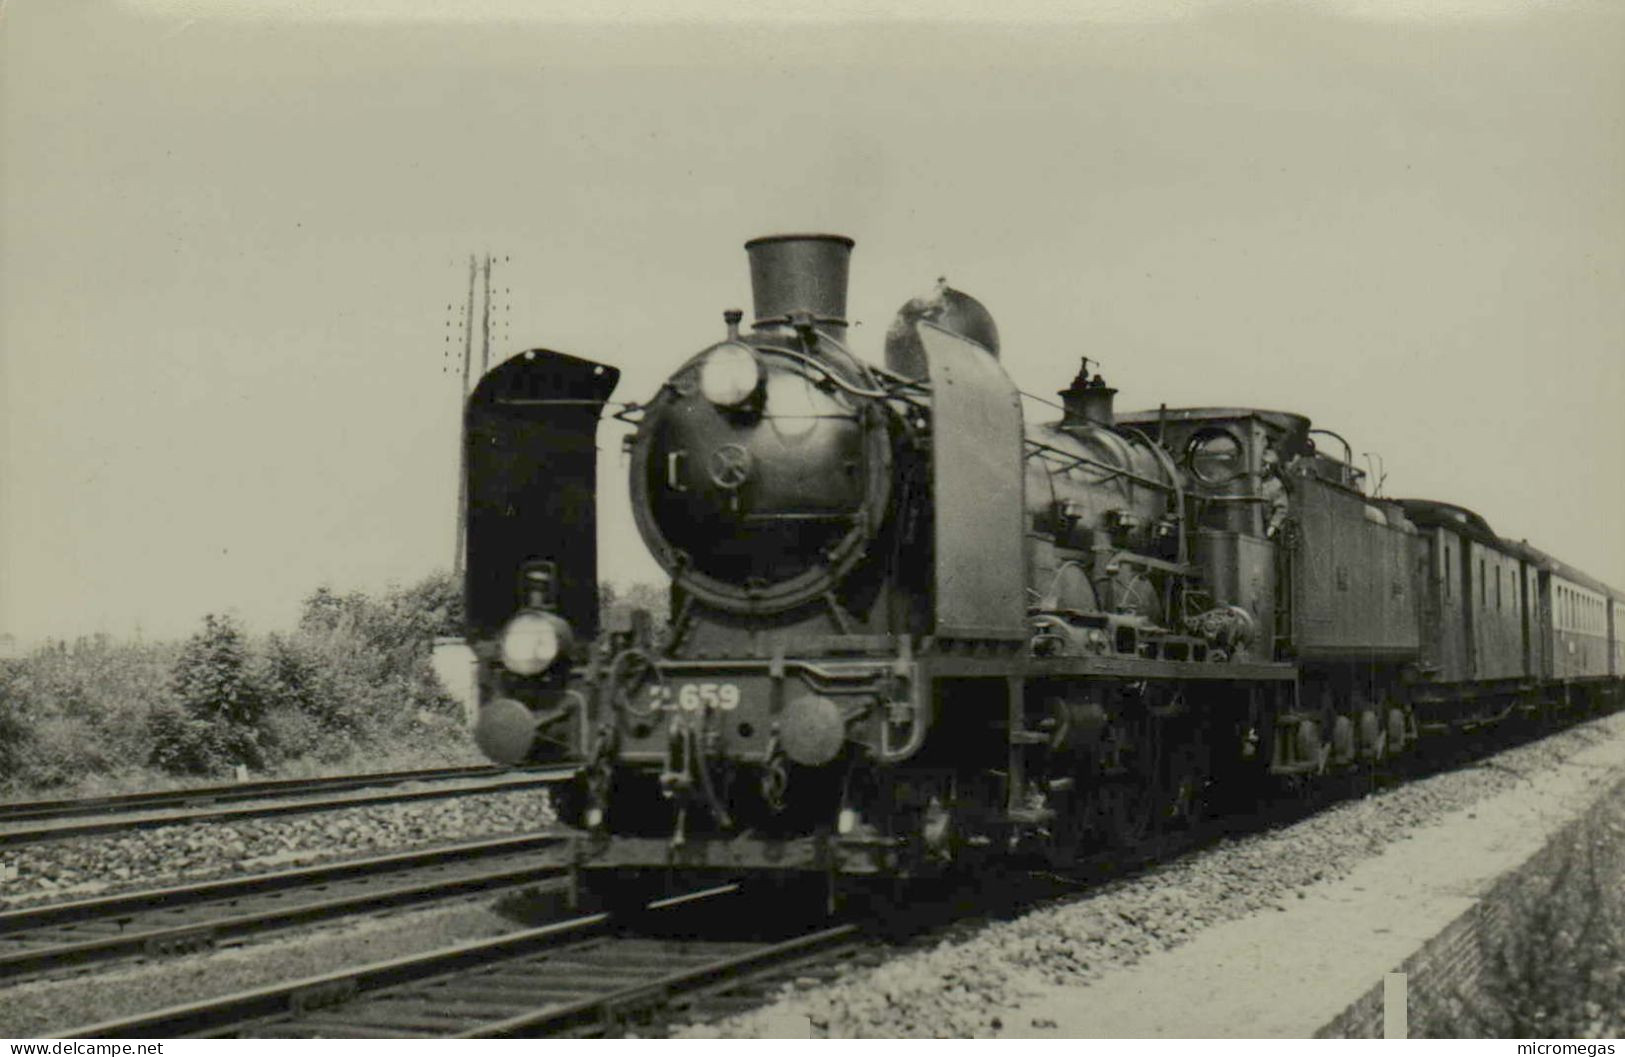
1453	962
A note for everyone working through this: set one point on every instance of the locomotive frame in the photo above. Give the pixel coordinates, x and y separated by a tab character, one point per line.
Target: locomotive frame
911	630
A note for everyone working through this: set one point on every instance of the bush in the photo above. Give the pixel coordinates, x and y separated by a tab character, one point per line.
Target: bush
1557	968
67	712
288	735
617	603
356	675
211	676
352	682
400	625
298	674
183	743
211	721
15	730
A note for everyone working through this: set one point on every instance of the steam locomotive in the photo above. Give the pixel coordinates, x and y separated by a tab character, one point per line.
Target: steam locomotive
911	628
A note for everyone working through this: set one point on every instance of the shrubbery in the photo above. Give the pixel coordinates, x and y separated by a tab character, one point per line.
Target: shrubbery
71	710
616	603
1556	969
353	680
351	683
211	720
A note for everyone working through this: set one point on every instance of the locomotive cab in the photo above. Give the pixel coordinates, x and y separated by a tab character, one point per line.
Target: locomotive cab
1230	455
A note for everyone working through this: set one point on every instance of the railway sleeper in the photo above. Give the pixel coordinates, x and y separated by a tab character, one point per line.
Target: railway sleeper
188	941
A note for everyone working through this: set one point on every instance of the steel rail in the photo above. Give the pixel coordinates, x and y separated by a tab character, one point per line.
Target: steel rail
182	918
217	1016
23	810
570	978
599	1014
499	782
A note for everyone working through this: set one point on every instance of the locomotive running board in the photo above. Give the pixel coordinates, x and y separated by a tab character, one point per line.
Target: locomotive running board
530	453
1106	667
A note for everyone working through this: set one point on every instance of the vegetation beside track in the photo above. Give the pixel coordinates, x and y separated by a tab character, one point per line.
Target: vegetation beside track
1555	966
349	688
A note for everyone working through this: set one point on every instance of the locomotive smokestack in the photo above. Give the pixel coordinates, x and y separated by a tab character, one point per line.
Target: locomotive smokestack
800	273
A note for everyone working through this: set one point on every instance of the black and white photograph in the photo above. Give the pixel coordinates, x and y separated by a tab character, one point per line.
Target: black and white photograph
687	521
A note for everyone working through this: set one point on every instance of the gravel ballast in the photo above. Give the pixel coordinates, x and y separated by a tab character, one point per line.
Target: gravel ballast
51	1007
969	985
973	979
77	867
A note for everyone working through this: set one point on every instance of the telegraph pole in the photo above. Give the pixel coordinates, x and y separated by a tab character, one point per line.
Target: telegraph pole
462	448
477	271
468	328
485	322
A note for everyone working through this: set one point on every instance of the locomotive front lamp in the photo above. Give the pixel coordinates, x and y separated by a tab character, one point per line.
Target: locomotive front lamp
533	641
540	581
730	375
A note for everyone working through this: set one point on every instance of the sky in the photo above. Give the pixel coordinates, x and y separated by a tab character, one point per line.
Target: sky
231	242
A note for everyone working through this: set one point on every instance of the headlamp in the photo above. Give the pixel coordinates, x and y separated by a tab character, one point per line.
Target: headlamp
730	374
533	641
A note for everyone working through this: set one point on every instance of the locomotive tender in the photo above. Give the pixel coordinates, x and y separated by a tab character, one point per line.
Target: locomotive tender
909	627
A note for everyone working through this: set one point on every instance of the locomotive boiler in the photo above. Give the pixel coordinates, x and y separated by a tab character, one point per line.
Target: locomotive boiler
908	627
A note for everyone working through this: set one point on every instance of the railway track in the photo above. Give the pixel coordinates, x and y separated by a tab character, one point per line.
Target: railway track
52	819
589	975
180	919
572	978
